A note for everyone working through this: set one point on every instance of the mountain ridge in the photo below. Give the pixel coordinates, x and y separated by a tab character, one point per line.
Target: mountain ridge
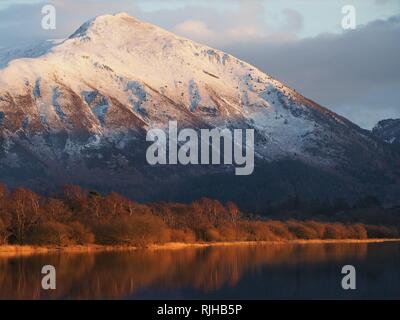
81	111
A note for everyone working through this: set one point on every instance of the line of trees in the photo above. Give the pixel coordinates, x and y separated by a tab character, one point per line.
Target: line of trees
77	216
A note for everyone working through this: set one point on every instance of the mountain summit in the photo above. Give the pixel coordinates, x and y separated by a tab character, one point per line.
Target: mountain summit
79	113
388	130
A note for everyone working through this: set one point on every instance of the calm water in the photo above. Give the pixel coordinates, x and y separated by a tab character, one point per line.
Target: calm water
251	272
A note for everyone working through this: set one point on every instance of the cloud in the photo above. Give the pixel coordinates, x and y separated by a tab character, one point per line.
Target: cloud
356	74
382	2
195	29
294	20
198	30
244	21
216	27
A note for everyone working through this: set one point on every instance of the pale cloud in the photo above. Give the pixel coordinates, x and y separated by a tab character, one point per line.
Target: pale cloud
195	29
245	32
199	31
216	26
245	22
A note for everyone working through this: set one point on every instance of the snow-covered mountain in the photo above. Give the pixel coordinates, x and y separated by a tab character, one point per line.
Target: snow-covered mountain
388	130
78	113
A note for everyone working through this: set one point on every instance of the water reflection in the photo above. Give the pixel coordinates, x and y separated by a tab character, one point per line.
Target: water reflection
237	272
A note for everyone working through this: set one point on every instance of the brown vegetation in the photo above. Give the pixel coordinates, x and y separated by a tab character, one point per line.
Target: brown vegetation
79	217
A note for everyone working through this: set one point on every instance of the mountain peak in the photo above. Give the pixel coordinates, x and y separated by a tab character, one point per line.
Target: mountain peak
123	15
388	130
99	24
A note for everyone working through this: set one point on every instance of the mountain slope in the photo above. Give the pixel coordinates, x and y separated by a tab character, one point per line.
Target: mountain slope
79	114
388	130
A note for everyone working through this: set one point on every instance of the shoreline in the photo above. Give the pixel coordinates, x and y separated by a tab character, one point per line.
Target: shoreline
26	250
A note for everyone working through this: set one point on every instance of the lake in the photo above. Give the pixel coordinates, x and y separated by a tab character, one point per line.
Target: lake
268	271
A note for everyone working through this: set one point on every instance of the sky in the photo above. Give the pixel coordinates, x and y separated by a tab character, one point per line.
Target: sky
355	73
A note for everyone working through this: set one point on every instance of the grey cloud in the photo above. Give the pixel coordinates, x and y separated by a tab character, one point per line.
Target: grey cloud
16	20
382	2
356	74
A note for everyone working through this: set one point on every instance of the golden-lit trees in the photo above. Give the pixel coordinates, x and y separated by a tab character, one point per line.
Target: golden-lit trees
5	217
78	216
55	210
4	233
358	231
233	211
49	233
136	230
24	207
182	235
302	230
74	197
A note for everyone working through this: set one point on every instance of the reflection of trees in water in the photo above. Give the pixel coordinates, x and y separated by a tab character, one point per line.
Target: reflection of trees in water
20	278
120	274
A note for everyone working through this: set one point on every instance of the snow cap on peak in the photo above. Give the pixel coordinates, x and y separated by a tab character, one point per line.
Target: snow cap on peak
122	15
102	21
115	17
